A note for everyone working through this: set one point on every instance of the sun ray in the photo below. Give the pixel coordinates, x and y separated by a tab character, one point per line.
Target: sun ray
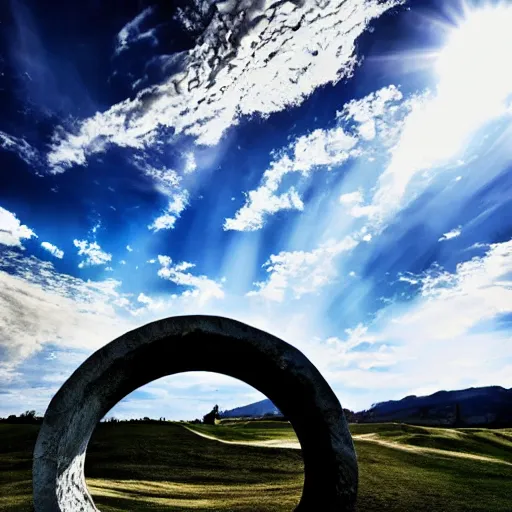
465	31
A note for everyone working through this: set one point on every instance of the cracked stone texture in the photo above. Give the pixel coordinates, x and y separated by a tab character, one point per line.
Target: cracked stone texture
250	58
195	343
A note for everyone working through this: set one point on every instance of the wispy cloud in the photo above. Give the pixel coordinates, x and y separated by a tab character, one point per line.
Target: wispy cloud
190	163
132	33
93	253
454	233
19	146
370	119
320	148
435	338
200	287
172	213
168	182
453	303
39	306
301	272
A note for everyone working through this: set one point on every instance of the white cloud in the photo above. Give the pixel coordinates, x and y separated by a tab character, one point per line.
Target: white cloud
34	397
436	338
190	163
319	149
168	218
301	272
96	227
260	203
167	182
352	198
12	231
19	146
129	249
201	287
370	113
479	290
438	133
93	252
408	279
132	33
322	149
53	249
39	306
193	16
250	60
454	233
144	299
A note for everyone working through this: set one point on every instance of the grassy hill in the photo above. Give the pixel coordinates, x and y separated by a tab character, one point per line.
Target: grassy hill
475	441
247	430
166	467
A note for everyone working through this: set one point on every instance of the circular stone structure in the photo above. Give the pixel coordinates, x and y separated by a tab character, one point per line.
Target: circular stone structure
195	343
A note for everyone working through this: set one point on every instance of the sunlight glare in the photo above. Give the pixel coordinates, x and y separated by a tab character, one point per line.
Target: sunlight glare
474	83
476	62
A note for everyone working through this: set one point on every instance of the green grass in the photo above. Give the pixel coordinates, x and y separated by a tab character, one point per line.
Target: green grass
477	441
248	431
484	442
165	467
16	446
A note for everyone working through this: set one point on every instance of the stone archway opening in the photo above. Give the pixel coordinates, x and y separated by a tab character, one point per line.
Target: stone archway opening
159	460
195	343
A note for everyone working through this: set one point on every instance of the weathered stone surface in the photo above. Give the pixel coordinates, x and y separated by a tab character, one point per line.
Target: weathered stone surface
193	343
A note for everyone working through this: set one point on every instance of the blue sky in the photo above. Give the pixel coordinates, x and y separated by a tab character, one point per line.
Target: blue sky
337	176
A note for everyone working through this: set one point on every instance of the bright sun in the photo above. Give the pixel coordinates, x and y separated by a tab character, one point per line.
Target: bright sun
476	60
473	86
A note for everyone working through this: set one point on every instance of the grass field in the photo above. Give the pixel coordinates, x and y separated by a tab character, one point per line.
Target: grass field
249	431
166	467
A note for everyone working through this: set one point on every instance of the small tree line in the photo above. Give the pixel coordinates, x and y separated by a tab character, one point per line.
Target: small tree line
30	417
26	418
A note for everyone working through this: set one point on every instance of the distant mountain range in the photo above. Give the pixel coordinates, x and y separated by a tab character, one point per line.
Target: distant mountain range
255	410
487	407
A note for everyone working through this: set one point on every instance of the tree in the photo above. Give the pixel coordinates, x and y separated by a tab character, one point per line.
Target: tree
209	419
458	419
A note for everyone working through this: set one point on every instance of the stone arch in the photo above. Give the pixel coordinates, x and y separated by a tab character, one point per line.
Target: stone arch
195	343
